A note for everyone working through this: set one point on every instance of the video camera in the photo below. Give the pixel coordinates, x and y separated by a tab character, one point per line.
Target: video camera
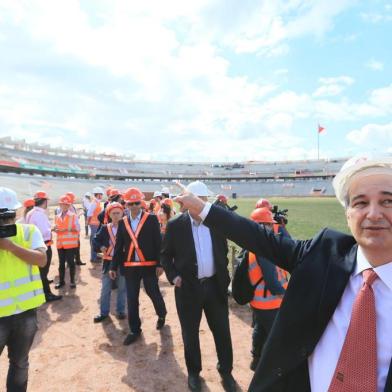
7	230
280	215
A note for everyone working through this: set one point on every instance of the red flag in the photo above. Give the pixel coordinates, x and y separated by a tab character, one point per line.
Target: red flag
320	128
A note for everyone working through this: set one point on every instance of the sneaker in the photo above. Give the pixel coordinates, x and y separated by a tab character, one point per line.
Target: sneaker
72	285
59	285
99	318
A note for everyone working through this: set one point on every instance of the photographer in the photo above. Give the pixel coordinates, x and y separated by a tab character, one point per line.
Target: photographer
22	251
280	216
222	201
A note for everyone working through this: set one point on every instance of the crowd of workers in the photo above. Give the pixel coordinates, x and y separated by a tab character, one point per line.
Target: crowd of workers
137	240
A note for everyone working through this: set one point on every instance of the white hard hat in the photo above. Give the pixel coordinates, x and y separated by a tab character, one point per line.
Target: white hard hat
359	164
8	199
198	188
98	189
165	190
88	194
157	193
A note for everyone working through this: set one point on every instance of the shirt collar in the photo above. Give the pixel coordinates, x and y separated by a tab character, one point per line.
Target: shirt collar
384	271
194	222
138	216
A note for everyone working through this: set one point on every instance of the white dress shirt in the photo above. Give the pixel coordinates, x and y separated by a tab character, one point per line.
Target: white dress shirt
203	247
38	216
134	225
323	361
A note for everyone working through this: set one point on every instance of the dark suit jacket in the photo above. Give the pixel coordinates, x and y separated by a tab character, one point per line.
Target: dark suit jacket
149	242
178	254
320	269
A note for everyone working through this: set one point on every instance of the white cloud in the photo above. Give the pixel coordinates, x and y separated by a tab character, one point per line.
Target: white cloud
372	135
375	65
375	17
333	86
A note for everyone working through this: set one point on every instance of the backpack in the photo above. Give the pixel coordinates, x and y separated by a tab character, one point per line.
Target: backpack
241	287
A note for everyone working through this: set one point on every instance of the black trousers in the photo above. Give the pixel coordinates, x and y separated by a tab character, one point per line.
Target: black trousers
190	304
45	270
133	277
262	324
67	255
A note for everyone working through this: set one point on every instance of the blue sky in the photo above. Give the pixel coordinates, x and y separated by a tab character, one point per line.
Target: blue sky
205	80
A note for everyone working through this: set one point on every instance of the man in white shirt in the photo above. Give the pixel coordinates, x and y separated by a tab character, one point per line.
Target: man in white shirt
38	216
323	306
195	261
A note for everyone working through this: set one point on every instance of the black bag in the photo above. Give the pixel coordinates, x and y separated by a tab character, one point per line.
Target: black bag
241	288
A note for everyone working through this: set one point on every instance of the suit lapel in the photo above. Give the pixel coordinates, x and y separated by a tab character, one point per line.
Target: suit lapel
338	274
188	234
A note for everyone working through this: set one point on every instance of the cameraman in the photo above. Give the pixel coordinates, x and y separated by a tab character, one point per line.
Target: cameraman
222	201
22	251
279	216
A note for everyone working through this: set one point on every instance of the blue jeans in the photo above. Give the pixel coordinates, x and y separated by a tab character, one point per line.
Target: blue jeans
17	333
106	292
93	230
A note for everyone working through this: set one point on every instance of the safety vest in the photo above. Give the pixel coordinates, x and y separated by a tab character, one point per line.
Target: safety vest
134	246
20	283
263	298
112	242
68	239
94	217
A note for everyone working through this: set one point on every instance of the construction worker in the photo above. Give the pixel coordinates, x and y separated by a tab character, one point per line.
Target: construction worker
165	214
22	251
136	253
67	229
38	216
271	283
157	196
105	241
113	195
73	209
92	219
86	205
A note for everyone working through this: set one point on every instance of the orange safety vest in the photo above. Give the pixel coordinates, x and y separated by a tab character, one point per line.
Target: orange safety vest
94	217
112	242
134	246
68	239
263	298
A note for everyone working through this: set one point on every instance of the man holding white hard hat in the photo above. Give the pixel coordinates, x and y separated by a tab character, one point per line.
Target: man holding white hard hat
195	261
340	292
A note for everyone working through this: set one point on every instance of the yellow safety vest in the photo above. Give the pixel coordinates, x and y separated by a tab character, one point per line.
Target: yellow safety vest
20	283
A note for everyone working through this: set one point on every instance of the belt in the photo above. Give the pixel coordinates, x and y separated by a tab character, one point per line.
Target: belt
204	280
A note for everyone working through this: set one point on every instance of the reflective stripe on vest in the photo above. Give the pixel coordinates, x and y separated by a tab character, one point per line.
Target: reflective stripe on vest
134	246
20	283
68	239
263	298
94	221
107	256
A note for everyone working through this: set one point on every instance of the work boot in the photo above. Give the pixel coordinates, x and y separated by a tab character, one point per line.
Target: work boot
131	338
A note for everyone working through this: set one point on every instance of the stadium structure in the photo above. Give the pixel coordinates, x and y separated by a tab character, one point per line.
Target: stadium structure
27	167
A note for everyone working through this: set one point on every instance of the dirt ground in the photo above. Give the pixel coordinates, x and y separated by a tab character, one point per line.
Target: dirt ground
72	353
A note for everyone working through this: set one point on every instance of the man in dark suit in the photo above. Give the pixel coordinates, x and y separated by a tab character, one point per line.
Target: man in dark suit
312	346
136	252
195	261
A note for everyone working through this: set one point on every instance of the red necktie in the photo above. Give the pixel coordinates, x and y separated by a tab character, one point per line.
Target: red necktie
357	366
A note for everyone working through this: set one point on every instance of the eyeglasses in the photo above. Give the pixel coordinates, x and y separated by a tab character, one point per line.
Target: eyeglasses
135	203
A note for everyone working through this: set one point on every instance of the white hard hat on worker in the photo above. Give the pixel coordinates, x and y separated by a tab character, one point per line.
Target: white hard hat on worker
8	199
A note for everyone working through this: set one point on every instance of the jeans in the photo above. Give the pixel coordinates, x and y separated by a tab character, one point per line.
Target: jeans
17	333
106	292
93	230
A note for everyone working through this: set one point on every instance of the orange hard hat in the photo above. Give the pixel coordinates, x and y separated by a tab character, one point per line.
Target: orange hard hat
28	203
262	215
114	192
41	195
111	206
133	195
144	205
65	200
71	196
261	203
222	198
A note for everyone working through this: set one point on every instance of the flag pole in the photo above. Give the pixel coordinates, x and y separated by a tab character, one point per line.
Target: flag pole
318	144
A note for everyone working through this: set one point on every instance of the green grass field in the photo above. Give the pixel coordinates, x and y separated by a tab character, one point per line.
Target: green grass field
306	215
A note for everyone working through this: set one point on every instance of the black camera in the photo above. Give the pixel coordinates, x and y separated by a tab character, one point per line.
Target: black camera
280	215
7	229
